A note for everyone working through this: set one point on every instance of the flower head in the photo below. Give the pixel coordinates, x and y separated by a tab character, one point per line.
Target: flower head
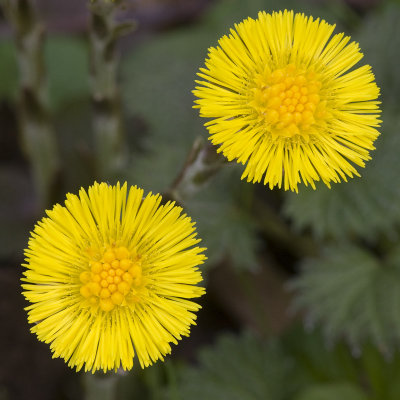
110	274
282	100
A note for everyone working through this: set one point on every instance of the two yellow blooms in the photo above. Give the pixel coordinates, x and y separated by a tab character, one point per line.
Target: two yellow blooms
112	272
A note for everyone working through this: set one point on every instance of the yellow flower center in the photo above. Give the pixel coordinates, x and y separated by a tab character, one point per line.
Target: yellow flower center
111	280
288	100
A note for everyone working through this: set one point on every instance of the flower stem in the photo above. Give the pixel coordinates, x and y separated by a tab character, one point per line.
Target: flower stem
202	163
110	147
100	386
36	132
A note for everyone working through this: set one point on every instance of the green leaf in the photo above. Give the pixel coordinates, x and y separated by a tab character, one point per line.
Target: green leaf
238	368
354	294
326	368
379	38
366	206
316	361
332	391
297	366
382	374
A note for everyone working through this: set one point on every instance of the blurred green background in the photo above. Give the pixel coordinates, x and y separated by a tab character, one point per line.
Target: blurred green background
303	291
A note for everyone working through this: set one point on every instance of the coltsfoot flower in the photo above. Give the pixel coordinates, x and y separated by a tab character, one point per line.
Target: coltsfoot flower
285	101
110	274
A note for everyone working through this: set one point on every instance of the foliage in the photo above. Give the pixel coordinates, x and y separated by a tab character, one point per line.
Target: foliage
329	391
353	294
298	366
329	370
238	368
379	37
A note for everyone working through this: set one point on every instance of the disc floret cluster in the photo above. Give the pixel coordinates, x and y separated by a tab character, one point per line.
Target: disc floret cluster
114	280
288	101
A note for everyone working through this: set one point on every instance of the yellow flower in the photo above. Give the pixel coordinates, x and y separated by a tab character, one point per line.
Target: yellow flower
110	273
282	100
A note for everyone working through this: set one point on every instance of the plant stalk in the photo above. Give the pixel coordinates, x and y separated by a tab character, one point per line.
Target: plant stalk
37	136
100	386
202	163
110	147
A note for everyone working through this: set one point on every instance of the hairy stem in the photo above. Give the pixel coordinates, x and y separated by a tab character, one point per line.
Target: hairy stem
36	132
110	147
100	386
202	163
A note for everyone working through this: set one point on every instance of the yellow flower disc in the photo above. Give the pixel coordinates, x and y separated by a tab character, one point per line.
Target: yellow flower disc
110	274
284	99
